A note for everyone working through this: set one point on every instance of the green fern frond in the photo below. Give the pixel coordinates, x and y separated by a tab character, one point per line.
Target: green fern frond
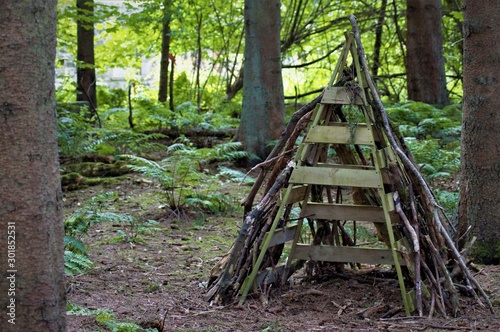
74	245
142	161
235	175
76	263
177	147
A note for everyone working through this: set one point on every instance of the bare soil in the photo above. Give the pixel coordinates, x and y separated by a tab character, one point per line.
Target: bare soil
156	277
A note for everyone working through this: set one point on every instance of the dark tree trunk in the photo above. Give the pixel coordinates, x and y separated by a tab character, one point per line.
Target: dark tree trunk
31	221
262	118
171	84
165	51
85	69
425	72
479	204
378	39
199	20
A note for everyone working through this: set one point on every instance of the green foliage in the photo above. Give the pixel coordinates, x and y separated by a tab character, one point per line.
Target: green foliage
111	98
106	318
74	131
77	136
435	160
183	178
76	263
448	200
487	252
432	135
235	175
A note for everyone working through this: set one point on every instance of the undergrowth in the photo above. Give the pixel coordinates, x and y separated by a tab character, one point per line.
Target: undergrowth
106	318
93	212
185	176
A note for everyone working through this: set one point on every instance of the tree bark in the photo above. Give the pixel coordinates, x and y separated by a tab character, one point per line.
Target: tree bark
479	204
31	220
165	51
378	39
426	78
85	69
262	118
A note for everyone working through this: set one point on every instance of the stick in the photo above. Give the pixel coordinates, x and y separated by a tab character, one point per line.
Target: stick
418	279
411	167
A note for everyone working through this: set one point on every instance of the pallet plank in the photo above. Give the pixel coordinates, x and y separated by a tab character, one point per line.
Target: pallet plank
336	177
340	134
281	235
353	212
297	194
325	253
340	95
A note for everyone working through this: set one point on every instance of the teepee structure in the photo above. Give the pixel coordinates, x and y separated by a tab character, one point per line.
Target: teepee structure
339	164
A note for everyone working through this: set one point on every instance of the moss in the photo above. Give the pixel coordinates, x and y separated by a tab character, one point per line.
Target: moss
487	252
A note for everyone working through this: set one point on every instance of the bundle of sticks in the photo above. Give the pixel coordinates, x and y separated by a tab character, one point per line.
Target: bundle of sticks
432	257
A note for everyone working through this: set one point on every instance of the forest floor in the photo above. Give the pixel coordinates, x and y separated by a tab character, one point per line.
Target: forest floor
155	276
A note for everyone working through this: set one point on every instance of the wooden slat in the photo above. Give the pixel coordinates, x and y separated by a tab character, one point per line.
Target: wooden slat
345	212
298	194
340	134
336	177
346	166
281	235
324	253
340	95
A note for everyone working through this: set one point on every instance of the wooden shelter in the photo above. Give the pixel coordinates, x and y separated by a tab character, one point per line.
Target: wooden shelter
349	168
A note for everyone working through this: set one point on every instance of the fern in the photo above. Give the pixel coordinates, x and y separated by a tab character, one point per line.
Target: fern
76	262
74	245
107	318
182	175
78	224
235	175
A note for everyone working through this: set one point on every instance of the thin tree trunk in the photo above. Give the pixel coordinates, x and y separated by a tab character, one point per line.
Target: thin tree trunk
198	60
171	83
85	71
130	110
378	39
32	288
165	51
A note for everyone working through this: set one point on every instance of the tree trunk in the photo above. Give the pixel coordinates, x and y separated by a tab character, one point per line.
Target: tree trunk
85	69
479	204
378	39
262	118
425	72
165	51
31	221
199	54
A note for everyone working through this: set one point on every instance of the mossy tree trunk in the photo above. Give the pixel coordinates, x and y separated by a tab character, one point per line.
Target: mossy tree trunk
479	193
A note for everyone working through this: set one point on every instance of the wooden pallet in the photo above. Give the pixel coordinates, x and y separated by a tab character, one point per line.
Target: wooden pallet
314	169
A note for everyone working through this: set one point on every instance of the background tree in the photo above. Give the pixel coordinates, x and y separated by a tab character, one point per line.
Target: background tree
85	69
479	204
262	118
425	72
30	193
165	50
